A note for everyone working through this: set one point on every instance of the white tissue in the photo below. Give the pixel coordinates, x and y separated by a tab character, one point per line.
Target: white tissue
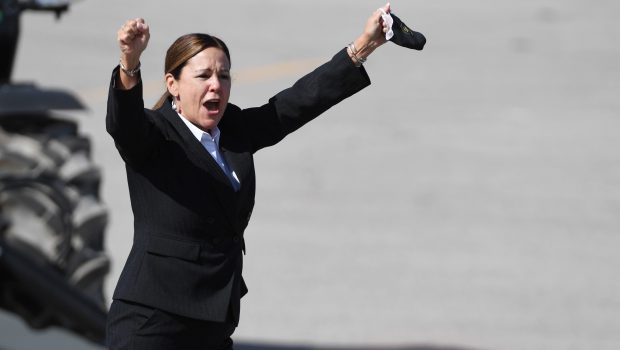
387	19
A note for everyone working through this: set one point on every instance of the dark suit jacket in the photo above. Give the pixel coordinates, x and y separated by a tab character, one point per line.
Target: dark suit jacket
186	256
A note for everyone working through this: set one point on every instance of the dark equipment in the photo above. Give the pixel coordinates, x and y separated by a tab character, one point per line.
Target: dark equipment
52	221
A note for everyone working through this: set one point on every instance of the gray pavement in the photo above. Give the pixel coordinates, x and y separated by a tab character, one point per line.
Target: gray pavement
468	198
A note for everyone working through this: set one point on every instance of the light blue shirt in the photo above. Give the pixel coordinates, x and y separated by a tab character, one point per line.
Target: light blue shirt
211	143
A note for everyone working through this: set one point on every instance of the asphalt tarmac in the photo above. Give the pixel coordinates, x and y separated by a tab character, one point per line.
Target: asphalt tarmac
467	200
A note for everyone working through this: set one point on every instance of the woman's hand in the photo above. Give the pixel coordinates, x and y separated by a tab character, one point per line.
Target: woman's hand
133	37
375	28
372	37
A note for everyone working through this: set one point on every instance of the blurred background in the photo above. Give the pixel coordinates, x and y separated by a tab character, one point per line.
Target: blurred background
467	200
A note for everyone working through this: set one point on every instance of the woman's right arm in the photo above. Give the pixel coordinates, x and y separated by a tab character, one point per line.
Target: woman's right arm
126	120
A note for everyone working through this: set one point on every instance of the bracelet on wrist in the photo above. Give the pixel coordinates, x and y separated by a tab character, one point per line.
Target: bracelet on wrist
130	72
354	52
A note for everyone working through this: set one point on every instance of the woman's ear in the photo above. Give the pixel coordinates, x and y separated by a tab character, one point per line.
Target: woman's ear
172	85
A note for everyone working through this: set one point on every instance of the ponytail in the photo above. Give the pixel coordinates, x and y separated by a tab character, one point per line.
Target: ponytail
160	103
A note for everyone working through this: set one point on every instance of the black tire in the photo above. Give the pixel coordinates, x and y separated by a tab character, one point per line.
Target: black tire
51	214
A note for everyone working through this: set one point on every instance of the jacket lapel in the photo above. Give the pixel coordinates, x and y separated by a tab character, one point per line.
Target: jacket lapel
198	155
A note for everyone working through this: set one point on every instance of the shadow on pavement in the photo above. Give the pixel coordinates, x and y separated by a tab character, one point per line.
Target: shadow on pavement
245	346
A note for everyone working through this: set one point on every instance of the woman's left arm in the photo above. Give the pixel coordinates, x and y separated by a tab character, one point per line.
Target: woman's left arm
314	93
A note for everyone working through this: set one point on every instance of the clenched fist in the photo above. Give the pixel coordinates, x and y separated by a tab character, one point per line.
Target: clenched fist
133	37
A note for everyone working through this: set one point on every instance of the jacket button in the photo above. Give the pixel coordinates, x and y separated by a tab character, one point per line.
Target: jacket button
236	239
210	220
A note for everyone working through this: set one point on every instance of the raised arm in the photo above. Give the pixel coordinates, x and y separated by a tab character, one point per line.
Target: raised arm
314	93
126	120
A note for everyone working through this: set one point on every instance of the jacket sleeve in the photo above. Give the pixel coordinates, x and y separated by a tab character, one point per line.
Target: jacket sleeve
310	96
132	128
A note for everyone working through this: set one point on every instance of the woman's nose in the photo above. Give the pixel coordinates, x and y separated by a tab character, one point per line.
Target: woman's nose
215	84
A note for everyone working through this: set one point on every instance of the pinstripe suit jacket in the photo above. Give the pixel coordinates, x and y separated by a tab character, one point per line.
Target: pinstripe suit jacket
186	256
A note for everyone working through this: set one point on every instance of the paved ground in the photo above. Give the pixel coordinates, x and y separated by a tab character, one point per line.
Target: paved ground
468	199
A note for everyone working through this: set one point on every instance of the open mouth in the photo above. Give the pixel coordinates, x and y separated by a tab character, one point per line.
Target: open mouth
212	105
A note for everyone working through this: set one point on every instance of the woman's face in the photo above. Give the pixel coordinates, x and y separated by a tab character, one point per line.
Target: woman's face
203	88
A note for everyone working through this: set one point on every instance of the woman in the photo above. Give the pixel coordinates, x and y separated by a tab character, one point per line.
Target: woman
191	181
